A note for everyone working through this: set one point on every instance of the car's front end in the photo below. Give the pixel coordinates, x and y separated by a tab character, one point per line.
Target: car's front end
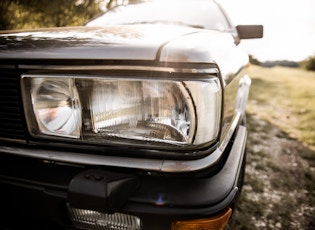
121	127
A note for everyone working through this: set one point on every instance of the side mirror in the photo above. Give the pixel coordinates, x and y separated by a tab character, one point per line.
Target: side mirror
250	31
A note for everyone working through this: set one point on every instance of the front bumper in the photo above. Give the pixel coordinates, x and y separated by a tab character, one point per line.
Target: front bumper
36	194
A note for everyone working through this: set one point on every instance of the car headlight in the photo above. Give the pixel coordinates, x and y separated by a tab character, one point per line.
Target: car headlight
56	107
123	111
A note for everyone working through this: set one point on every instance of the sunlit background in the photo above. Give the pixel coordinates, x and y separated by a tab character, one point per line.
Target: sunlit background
289	27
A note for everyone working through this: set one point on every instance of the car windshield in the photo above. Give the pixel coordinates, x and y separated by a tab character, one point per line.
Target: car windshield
195	13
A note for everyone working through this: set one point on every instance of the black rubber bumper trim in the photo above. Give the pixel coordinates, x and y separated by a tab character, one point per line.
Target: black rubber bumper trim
190	197
32	189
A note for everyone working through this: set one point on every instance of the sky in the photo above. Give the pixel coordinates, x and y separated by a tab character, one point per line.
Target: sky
289	27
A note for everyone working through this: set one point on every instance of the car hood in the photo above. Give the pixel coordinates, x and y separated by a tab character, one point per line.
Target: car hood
129	42
137	42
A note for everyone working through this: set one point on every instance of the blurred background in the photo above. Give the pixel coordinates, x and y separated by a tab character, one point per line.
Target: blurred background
289	26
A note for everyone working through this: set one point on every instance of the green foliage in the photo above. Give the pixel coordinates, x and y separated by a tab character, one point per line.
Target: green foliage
309	63
28	14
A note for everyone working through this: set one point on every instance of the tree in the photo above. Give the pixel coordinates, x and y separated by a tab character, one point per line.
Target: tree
26	14
309	63
254	60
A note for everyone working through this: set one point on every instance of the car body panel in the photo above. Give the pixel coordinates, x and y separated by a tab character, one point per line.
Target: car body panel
121	42
157	184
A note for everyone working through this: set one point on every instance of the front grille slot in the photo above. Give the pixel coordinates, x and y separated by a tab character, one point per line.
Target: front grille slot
12	125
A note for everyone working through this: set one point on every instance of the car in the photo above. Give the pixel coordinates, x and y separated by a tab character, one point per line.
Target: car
135	120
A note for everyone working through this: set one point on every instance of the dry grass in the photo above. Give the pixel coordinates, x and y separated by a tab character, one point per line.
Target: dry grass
286	98
279	187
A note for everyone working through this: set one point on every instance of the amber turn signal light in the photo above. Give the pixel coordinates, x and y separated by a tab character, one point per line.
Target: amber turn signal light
213	223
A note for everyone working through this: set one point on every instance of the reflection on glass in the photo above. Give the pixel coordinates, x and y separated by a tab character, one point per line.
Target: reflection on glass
140	109
56	106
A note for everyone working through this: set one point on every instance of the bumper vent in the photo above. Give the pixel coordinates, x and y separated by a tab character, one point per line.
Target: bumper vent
12	125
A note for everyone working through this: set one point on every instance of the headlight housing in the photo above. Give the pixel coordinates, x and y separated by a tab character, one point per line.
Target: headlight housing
119	110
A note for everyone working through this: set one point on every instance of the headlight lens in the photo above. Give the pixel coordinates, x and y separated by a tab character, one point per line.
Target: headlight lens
56	107
141	110
123	111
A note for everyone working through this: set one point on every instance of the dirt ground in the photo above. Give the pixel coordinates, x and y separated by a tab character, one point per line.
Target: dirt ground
279	187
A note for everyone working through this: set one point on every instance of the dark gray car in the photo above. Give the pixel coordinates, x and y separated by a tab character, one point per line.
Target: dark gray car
134	121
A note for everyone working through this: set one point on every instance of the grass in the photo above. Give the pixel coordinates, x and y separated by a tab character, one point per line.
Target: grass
279	188
285	97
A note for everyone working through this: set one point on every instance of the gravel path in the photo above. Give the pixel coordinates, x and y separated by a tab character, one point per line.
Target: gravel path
279	187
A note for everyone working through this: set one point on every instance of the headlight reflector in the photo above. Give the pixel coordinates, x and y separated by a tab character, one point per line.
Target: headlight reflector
141	110
56	107
122	110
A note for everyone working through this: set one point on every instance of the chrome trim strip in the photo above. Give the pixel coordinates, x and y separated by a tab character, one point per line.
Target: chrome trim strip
7	66
227	135
87	159
121	67
171	166
11	140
